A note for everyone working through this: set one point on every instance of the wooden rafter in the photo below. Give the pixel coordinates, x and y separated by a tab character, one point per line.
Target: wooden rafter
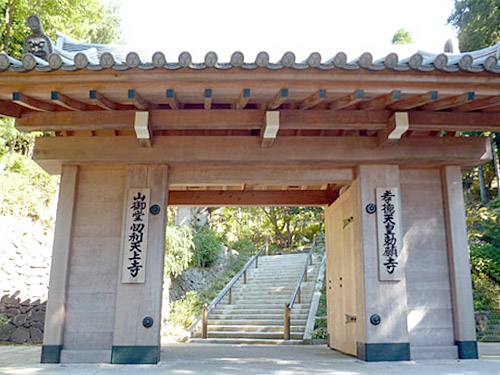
10	109
208	99
313	100
243	99
414	101
278	99
172	100
449	102
100	100
138	100
381	101
347	100
65	101
33	103
480	103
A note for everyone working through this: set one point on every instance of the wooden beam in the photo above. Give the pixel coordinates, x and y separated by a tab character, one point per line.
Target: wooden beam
270	128
347	100
414	101
381	101
51	152
100	100
10	109
449	102
65	101
208	99
481	103
278	99
248	198
242	100
142	130
172	100
32	103
397	126
138	100
250	119
313	100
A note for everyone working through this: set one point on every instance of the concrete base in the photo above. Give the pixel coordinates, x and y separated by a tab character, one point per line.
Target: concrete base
51	354
135	355
383	352
467	349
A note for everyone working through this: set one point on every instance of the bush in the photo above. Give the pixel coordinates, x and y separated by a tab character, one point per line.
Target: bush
185	311
178	249
206	247
243	246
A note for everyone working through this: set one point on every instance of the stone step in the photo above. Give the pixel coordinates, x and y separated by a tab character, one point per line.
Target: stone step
255	308
245	341
250	335
241	322
216	316
252	328
85	356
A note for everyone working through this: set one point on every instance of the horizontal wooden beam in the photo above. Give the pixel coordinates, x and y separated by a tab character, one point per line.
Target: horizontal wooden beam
254	119
249	198
240	150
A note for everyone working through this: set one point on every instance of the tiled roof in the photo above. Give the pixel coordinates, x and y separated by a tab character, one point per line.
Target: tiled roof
70	55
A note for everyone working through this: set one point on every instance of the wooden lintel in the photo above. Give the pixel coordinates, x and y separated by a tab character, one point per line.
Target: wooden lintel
313	100
414	101
397	126
332	193
10	109
250	119
67	102
347	100
306	152
449	102
381	101
32	103
270	128
480	103
278	99
248	198
142	130
138	100
242	100
100	100
172	100
208	99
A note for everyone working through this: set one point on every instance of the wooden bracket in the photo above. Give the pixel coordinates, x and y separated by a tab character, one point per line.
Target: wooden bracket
172	100
278	99
32	103
142	129
398	124
242	100
270	129
67	102
138	101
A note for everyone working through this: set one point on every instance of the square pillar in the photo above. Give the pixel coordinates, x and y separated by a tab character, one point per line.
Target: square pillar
56	305
137	304
388	340
458	255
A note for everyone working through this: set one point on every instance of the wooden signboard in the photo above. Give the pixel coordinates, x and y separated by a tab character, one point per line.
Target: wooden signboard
135	239
390	241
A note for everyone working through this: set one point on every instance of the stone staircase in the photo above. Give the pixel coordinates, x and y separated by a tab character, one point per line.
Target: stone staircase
256	313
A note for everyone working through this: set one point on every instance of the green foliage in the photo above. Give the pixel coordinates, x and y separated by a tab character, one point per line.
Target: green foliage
402	36
185	311
4	320
243	246
478	23
178	249
484	243
85	20
206	247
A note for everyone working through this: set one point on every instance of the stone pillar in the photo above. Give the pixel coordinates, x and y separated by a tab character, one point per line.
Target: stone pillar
387	341
133	342
56	304
458	255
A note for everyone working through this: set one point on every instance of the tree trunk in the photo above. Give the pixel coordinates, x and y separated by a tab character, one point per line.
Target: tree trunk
482	186
494	151
8	24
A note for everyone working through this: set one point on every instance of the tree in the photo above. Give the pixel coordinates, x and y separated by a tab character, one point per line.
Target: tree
402	36
85	20
477	22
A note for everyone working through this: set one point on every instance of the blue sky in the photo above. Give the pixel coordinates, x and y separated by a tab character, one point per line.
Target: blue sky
277	26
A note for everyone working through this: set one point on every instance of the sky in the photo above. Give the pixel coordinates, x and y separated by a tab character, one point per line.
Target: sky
277	26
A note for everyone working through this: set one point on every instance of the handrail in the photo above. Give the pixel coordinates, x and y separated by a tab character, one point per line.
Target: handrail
296	294
226	290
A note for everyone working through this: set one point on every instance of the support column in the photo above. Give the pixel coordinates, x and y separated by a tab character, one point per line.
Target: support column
56	304
458	255
388	340
138	304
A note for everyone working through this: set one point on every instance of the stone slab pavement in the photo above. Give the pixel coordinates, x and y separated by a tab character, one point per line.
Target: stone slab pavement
208	359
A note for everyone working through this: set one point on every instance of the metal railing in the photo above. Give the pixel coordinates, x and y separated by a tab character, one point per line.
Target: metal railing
296	294
227	290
